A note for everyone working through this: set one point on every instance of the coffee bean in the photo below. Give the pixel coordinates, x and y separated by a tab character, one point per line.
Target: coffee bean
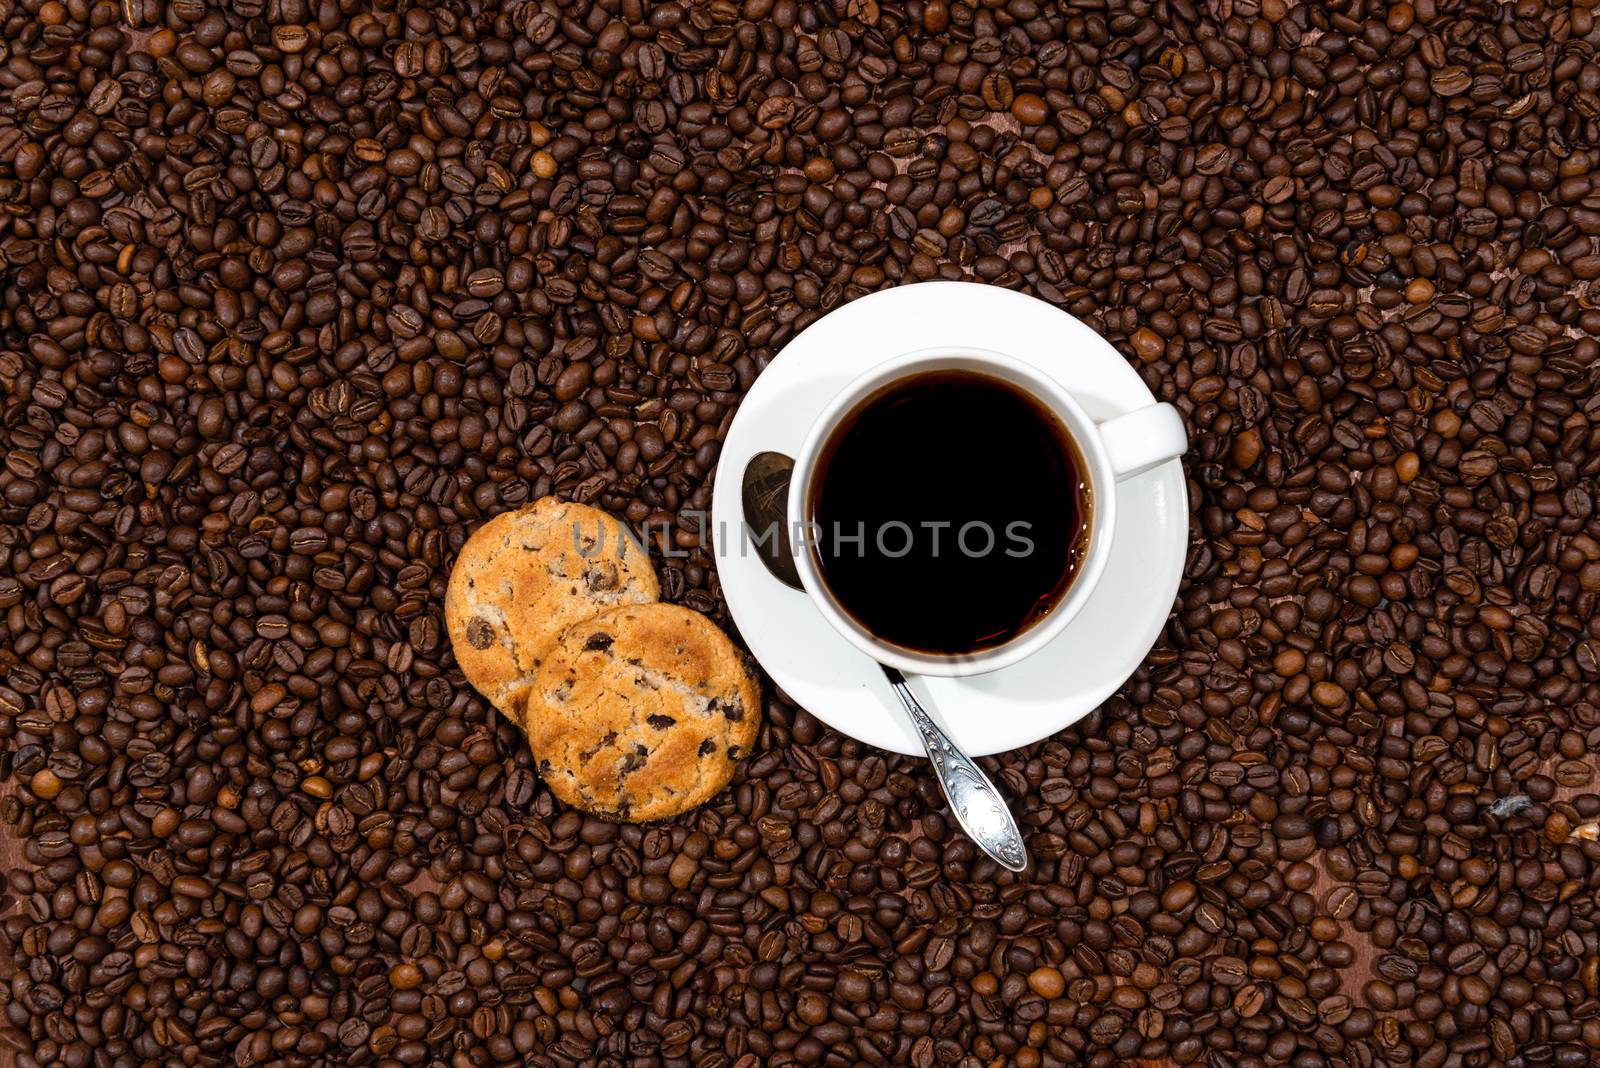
1451	81
1029	109
1340	902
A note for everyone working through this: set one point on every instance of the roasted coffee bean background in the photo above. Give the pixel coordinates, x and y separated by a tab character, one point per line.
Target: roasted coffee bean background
294	293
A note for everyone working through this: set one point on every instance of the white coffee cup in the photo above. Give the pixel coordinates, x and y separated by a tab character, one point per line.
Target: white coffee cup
1112	451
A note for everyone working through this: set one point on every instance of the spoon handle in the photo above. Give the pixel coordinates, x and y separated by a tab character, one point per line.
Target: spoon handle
978	806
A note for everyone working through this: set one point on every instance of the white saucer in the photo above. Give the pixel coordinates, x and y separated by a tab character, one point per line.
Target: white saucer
984	713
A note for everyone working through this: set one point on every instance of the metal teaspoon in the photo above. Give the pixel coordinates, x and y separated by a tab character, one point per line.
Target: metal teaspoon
977	804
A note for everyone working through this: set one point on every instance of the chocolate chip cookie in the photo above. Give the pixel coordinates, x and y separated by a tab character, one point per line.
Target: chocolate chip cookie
642	712
524	577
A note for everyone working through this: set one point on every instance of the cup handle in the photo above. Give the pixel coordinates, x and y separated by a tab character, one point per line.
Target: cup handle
1143	439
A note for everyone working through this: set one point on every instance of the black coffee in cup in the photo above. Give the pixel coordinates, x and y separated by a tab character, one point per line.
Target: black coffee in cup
950	512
